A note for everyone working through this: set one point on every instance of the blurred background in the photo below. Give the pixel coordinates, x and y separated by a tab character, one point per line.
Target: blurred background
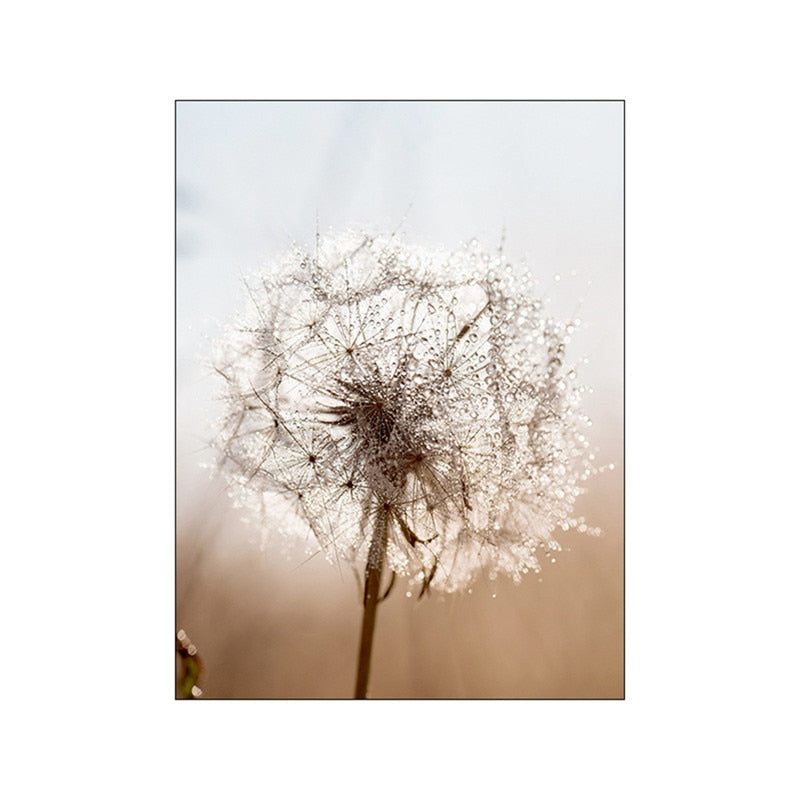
543	178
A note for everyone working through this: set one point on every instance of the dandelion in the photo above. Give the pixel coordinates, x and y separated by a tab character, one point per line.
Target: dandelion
406	409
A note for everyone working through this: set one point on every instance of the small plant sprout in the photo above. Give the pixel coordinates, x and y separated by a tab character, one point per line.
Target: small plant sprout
408	409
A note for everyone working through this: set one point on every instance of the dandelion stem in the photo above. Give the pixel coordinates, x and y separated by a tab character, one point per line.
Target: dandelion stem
372	591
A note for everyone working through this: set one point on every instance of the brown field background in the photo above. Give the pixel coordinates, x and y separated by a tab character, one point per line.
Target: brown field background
268	626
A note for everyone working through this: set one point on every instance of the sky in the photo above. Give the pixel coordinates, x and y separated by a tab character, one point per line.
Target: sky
545	179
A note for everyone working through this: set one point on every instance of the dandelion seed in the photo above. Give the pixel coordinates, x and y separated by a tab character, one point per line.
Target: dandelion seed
412	408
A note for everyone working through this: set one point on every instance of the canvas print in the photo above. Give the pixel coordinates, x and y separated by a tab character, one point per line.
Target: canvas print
399	399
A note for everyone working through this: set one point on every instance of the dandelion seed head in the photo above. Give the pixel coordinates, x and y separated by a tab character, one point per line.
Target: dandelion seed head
376	378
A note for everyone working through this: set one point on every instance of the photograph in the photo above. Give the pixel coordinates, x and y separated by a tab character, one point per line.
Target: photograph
408	355
399	399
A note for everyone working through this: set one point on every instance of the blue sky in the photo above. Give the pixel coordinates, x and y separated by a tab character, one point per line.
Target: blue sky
253	178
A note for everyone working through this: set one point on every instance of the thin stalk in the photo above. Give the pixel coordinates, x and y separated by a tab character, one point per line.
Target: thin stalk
372	590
